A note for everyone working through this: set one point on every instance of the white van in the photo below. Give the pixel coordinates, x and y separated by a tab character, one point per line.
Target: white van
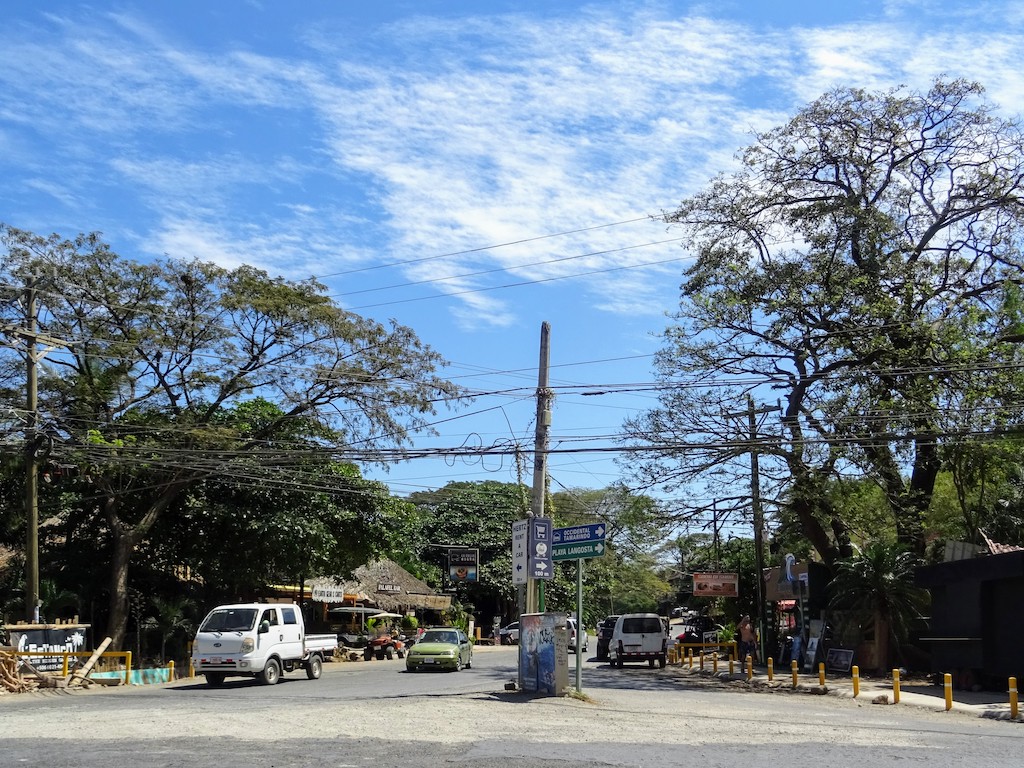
639	637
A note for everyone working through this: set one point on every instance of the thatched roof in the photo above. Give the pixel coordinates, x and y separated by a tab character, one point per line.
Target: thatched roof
384	583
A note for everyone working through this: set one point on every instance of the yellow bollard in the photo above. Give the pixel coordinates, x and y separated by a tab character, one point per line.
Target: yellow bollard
732	666
771	669
1013	698
750	667
856	682
127	667
690	657
895	686
714	663
793	667
947	684
170	671
821	673
672	655
701	659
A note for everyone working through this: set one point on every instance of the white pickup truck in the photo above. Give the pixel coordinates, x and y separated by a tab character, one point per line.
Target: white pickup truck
259	640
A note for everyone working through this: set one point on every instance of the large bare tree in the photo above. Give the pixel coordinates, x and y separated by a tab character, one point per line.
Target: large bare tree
856	270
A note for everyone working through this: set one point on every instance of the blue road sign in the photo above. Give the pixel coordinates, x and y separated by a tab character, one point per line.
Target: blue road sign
539	560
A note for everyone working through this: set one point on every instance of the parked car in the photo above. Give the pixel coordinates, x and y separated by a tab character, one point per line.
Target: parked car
604	635
441	648
510	634
639	637
575	643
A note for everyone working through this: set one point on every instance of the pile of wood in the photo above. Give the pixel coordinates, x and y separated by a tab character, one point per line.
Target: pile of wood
11	679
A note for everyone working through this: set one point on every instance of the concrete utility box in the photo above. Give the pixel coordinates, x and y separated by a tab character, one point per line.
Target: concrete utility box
543	653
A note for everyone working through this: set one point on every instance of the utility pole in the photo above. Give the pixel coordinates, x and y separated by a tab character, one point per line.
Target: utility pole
755	508
535	601
31	465
30	337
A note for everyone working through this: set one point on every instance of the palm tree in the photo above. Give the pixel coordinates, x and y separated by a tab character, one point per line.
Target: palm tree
877	585
171	617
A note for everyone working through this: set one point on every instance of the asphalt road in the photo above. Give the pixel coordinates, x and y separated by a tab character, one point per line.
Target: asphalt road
373	713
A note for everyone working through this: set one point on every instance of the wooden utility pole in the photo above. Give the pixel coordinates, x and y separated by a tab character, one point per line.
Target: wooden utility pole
755	508
535	603
31	464
30	337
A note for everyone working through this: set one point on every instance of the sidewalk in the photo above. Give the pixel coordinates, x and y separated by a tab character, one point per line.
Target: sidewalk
913	692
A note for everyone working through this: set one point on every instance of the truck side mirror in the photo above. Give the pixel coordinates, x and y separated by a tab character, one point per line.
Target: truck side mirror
264	626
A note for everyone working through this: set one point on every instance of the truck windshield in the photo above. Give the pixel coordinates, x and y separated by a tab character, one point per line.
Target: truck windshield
230	620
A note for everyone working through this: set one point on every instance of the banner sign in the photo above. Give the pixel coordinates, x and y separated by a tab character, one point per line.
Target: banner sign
716	584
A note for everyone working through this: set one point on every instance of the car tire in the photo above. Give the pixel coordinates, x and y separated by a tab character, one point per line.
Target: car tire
662	661
314	667
458	662
368	654
469	664
271	672
650	663
390	653
215	679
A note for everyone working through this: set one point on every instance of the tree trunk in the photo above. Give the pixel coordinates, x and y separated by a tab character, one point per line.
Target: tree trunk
117	617
881	643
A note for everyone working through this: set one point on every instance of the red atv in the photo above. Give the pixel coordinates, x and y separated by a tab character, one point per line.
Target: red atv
384	646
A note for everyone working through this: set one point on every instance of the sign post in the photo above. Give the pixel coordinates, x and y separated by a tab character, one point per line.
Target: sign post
577	543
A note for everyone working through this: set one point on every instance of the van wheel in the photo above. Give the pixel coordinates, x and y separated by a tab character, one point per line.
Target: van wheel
661	661
271	673
314	667
215	679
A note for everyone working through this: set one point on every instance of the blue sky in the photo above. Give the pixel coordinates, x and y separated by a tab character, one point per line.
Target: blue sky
470	169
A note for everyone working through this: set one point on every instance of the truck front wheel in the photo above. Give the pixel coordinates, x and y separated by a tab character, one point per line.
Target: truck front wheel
314	667
215	679
271	673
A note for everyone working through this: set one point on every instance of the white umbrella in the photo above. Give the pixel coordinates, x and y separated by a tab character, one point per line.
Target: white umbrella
357	609
386	615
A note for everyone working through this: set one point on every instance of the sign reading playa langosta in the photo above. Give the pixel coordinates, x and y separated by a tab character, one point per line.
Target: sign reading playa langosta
578	542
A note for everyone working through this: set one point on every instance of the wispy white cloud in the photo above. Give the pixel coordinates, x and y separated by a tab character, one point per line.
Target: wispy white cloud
481	131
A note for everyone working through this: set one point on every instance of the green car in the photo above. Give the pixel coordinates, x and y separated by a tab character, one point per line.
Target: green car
440	648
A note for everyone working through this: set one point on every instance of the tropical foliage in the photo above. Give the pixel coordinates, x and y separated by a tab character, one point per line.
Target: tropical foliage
876	587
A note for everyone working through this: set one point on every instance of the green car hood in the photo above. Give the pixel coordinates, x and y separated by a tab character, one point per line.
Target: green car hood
432	649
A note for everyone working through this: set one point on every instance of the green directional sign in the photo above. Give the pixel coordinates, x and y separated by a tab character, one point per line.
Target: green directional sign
578	551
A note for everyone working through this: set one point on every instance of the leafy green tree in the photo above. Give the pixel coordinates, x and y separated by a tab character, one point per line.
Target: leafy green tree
156	355
477	515
860	265
877	587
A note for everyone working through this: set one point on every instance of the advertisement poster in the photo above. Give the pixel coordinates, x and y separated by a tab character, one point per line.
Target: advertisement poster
38	639
716	584
543	653
463	564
